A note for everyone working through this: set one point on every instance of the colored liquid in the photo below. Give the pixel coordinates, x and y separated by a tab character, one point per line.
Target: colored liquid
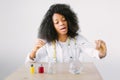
41	69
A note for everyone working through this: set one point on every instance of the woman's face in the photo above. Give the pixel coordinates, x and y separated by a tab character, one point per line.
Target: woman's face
60	24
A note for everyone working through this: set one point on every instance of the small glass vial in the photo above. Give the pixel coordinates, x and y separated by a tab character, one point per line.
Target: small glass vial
75	66
41	69
51	68
32	69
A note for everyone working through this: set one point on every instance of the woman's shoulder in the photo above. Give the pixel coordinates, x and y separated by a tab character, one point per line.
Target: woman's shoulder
80	38
48	44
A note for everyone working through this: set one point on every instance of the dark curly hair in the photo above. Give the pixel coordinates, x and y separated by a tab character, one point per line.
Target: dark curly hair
47	30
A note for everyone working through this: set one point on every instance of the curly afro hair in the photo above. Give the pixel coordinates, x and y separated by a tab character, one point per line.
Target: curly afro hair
47	30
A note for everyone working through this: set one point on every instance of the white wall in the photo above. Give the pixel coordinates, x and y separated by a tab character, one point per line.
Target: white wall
20	19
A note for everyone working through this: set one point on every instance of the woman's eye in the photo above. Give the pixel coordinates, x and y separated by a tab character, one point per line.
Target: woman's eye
56	22
64	19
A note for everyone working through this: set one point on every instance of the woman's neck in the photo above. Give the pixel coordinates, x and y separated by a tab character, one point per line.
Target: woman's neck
62	38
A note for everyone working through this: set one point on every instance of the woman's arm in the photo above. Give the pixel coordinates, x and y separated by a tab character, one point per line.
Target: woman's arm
39	44
99	50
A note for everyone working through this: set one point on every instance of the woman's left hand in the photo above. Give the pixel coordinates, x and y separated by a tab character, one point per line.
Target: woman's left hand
101	47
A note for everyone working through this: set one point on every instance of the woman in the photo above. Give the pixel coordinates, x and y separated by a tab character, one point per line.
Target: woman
59	38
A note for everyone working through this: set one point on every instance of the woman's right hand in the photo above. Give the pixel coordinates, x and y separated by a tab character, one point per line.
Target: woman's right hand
39	43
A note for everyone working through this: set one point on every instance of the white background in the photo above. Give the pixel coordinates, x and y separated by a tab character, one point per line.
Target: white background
20	19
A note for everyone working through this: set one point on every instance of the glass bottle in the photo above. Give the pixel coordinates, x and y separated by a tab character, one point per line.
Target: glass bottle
32	69
75	66
51	68
41	69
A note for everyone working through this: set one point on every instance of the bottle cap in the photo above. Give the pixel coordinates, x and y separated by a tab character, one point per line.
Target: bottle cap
31	65
71	57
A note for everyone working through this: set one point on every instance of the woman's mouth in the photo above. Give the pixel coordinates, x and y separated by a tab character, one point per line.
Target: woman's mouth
63	29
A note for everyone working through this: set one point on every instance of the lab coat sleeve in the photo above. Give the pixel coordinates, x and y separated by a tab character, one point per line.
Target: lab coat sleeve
40	55
87	47
28	60
91	52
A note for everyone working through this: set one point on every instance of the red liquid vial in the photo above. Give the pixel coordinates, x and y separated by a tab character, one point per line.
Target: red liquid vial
41	69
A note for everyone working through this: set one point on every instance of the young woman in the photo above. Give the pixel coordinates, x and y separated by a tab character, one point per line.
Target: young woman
59	38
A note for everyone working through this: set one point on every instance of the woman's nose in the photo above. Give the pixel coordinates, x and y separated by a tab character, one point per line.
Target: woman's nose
61	23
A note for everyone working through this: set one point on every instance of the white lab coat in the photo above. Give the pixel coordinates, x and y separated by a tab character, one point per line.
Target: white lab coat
64	52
